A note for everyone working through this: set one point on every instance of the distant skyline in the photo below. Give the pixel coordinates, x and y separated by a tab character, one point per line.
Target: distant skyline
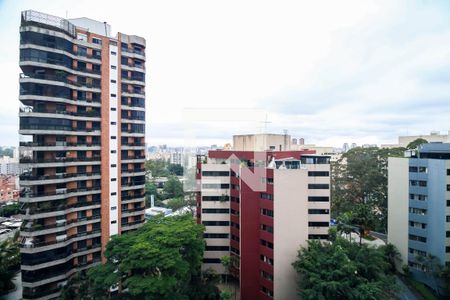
328	71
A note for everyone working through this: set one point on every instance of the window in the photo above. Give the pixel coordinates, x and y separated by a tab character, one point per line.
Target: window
318	199
215	186
448	187
447	234
113	53
318	224
448	202
113	207
318	236
113	151
267	228
216	223
318	186
417	211
318	211
423	170
266	291
417	238
217	248
113	123
266	259
113	222
266	276
216	235
448	172
212	261
267	212
216	198
113	165
448	218
413	169
417	252
113	179
215	211
216	173
266	196
235	238
113	81
113	137
417	225
113	109
113	67
318	173
113	193
113	95
447	249
96	41
266	243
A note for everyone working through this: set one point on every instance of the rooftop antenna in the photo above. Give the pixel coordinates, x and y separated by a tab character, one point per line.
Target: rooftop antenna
67	14
106	30
265	122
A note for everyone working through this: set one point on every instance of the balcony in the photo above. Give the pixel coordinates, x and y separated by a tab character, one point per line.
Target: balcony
62	79
58	194
30	179
80	115
27	243
24	128
28	160
29	229
28	210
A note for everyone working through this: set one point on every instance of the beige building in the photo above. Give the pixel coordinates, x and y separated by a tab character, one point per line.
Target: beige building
262	142
434	136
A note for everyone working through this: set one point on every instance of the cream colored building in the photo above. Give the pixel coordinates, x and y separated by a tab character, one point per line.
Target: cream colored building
262	142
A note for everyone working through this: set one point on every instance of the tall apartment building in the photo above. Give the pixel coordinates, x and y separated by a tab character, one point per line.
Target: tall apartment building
82	127
419	207
259	208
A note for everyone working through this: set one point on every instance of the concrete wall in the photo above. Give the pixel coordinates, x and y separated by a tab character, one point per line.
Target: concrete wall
261	142
290	228
398	192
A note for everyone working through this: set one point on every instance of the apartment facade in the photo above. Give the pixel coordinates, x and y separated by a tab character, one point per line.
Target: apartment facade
419	208
82	130
259	208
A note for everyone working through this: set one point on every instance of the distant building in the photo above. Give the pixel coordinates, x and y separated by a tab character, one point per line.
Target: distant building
10	166
419	207
434	136
8	189
176	157
294	141
262	228
262	142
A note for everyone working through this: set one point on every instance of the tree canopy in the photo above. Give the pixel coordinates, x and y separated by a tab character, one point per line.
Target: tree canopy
343	270
360	176
9	263
161	260
173	188
416	143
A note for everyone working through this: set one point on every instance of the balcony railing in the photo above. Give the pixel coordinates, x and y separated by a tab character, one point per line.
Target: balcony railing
64	144
136	183
28	160
32	244
38	227
61	192
63	79
92	114
30	177
39	210
129	197
53	127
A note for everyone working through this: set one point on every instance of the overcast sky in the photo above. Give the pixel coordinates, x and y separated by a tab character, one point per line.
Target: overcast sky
328	71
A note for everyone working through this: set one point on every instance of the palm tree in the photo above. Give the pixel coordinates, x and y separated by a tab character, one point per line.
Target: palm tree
9	262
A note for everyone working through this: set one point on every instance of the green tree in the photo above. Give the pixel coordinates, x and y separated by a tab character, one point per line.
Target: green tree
392	256
173	188
416	143
175	169
161	260
9	210
9	264
343	270
360	176
157	168
176	203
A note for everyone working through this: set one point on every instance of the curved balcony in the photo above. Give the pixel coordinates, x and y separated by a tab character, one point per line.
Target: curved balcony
29	245
133	53
37	229
132	225
29	179
133	159
133	212
135	172
61	81
29	197
28	129
30	99
133	185
33	212
60	114
58	146
28	160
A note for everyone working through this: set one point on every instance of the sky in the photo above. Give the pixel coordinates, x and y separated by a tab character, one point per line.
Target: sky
328	71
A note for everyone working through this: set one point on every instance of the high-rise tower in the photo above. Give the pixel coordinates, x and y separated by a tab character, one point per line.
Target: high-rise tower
82	127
